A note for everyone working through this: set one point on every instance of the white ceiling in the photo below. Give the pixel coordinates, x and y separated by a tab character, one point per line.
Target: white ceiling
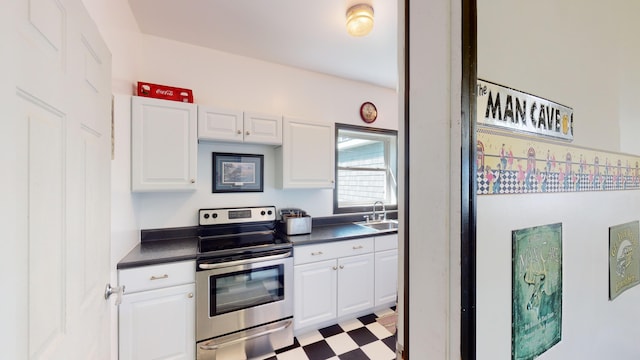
308	34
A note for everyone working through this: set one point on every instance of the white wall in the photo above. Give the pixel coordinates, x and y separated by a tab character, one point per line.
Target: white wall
226	80
566	52
593	327
629	54
583	55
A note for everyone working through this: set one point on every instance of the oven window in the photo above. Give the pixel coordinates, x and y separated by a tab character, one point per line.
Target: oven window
245	289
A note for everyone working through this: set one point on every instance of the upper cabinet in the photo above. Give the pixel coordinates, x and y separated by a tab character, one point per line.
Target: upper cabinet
219	124
307	155
163	145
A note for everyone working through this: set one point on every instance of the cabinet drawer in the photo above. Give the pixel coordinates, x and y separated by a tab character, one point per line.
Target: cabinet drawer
386	242
157	276
331	250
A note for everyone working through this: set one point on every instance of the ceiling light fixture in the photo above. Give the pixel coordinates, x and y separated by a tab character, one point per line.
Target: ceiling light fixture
359	19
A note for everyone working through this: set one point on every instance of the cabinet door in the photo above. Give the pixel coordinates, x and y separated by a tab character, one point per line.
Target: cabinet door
355	283
386	286
163	145
307	155
158	324
262	129
220	124
315	293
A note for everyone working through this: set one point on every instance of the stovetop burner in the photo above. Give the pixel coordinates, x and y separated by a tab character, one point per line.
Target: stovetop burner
237	242
238	231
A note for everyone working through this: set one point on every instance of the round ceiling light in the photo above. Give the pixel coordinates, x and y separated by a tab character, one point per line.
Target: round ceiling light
359	19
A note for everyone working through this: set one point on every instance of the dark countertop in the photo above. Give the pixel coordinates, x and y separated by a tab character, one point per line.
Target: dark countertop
160	251
159	246
334	232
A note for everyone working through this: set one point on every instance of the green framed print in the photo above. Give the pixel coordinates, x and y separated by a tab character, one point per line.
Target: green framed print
624	258
536	290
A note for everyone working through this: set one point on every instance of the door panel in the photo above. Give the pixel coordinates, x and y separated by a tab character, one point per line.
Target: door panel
47	233
315	293
355	283
55	101
47	17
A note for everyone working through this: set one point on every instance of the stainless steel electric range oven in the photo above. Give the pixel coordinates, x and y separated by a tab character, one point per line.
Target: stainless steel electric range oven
244	280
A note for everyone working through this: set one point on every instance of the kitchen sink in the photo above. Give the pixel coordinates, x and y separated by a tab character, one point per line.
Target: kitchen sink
381	225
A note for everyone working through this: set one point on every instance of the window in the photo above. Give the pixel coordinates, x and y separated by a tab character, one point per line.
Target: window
366	168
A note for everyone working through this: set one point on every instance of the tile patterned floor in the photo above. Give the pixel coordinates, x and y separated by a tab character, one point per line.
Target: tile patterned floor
358	339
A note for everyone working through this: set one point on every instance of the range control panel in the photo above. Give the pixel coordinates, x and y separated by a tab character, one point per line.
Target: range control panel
236	215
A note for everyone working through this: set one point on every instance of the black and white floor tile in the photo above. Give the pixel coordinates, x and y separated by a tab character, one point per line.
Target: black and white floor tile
358	339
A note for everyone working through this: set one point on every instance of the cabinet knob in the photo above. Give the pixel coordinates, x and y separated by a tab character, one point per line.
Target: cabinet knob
316	253
335	268
239	132
190	295
341	266
193	181
247	133
357	247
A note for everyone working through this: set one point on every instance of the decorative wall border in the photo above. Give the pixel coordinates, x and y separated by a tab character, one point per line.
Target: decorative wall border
510	163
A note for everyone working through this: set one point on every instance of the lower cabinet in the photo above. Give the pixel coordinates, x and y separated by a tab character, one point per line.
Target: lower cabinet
355	284
386	287
335	279
157	314
386	273
315	288
333	288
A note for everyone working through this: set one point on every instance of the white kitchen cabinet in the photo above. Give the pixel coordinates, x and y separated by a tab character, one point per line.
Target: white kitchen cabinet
315	298
332	280
355	284
306	157
157	314
228	125
163	145
386	269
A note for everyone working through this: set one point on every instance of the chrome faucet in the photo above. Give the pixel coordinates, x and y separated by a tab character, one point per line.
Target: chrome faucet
383	216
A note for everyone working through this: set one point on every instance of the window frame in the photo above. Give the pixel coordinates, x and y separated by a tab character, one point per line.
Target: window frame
389	162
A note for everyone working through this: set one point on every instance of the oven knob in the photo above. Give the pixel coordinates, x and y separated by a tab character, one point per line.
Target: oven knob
214	215
269	212
206	216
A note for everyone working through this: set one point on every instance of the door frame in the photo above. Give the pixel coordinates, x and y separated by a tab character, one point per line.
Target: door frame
468	194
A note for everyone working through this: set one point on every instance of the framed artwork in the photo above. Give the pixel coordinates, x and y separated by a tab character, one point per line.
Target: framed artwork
536	318
237	172
624	258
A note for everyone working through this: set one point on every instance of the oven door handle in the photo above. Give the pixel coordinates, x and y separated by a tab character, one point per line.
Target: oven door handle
212	345
243	261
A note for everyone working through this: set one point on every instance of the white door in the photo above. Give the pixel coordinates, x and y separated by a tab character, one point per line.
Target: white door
55	101
355	284
158	324
262	128
164	145
386	275
305	163
216	123
314	293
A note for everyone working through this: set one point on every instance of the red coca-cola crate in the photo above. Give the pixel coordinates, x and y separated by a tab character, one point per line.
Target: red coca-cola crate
164	92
